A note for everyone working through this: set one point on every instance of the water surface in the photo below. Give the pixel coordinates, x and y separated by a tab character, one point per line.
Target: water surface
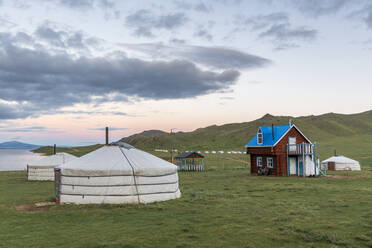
16	159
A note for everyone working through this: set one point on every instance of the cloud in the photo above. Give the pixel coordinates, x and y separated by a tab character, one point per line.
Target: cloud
144	22
277	28
81	4
65	38
177	41
368	16
200	7
316	8
5	22
287	35
214	57
23	129
9	111
260	22
363	13
93	112
227	98
108	7
222	57
36	80
86	4
110	129
202	32
229	2
254	82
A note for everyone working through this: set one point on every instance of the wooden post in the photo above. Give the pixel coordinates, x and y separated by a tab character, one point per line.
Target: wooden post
54	149
297	166
303	160
107	136
57	185
314	157
172	148
288	166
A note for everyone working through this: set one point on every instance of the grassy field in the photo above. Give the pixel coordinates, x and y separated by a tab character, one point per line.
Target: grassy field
222	207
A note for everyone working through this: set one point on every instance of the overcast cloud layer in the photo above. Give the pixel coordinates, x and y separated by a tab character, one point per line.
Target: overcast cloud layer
173	49
38	78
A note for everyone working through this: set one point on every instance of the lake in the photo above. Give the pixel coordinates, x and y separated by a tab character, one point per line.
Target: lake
16	159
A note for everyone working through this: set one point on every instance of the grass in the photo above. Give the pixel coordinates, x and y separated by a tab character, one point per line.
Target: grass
222	207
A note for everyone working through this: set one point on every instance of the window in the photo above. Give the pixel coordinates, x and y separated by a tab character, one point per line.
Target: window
292	144
259	161
259	137
292	140
270	163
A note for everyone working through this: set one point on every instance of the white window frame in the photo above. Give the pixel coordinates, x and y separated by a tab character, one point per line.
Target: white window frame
292	147
271	162
257	162
259	134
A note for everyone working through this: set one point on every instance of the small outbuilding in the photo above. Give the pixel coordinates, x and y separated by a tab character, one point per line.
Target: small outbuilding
340	163
190	161
43	169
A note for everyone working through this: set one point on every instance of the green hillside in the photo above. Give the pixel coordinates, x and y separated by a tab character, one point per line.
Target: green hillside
350	135
77	151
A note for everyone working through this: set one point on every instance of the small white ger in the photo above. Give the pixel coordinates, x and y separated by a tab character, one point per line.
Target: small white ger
342	163
43	169
116	174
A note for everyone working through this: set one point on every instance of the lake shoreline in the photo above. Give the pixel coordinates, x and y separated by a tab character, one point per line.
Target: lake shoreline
12	159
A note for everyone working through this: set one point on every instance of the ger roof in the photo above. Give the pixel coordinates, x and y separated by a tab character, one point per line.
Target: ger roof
54	160
118	159
268	140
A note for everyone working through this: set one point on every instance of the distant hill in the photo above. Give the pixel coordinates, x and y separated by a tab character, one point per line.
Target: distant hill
77	151
17	145
348	134
148	133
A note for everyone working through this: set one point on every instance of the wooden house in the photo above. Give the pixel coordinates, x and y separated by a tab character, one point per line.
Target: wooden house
282	151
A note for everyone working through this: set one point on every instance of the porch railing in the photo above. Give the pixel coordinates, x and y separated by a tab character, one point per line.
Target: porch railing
304	148
190	167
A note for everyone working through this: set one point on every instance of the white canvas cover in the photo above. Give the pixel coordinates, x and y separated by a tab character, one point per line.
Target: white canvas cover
43	169
343	163
118	174
309	166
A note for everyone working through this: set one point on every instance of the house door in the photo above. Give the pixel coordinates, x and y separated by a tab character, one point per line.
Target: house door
301	168
292	166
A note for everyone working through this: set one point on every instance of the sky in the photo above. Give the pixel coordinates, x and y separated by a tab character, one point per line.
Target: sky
69	68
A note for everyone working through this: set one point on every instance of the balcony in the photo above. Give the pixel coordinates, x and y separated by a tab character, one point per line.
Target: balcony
299	149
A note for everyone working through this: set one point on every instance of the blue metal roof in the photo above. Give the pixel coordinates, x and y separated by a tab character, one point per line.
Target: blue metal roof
268	140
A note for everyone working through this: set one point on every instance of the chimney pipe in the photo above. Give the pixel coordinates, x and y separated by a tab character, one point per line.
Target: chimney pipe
272	129
54	149
107	136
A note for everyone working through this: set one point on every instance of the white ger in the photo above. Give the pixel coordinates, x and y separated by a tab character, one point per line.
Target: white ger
341	163
116	174
43	169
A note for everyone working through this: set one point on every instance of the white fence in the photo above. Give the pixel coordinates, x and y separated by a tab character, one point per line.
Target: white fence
205	152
